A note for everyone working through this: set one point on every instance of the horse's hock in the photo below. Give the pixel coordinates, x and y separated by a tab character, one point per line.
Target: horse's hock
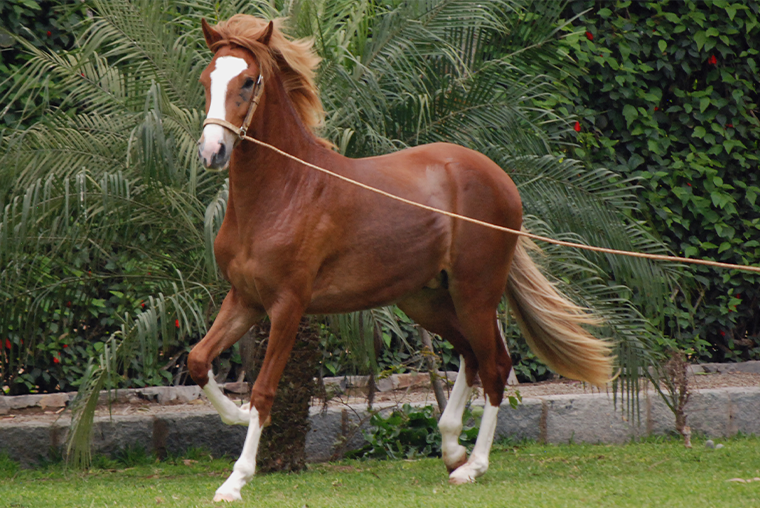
178	419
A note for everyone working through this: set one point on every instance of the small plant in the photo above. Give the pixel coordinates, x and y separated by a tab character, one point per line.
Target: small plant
410	432
673	375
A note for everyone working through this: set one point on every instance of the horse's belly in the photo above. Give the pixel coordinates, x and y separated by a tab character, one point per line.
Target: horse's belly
365	281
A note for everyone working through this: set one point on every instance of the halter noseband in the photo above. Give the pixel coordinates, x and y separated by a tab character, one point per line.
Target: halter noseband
242	131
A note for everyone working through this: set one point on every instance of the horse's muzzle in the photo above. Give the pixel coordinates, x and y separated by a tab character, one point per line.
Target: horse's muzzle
213	156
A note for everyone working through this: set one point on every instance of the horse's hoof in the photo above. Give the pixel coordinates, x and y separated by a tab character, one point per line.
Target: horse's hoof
460	479
226	498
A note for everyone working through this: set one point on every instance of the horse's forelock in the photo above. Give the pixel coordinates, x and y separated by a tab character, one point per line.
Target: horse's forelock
295	59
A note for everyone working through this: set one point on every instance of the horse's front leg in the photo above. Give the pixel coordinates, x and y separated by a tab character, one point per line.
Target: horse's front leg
285	317
234	319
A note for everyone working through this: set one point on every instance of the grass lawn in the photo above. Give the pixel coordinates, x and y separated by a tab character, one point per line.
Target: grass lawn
531	475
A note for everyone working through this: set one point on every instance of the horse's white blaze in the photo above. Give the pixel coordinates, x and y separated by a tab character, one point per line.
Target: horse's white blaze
226	69
450	423
245	467
231	414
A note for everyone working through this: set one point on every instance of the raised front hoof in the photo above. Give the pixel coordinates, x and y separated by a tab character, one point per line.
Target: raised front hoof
226	497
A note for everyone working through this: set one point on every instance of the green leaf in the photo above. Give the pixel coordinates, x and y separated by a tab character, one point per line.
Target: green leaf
662	45
700	38
730	144
630	113
704	103
699	132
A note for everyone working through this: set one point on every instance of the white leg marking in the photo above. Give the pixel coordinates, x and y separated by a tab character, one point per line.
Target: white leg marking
245	467
231	414
477	465
450	423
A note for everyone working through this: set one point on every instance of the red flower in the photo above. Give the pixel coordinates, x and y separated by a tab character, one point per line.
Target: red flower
730	125
68	304
712	60
49	33
65	345
176	323
589	36
688	184
656	108
577	127
739	296
7	343
56	360
722	333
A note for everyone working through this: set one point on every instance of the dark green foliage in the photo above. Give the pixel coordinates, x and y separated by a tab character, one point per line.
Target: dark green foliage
410	432
45	24
669	95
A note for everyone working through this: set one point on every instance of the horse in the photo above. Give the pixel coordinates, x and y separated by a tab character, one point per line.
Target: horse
295	241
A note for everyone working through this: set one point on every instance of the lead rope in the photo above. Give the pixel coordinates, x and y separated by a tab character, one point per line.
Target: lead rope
604	250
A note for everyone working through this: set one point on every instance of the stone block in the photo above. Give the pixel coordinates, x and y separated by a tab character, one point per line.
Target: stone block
335	431
588	418
54	400
707	412
177	432
26	442
744	410
660	419
110	434
521	423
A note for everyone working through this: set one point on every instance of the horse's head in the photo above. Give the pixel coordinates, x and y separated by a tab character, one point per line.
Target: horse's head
233	84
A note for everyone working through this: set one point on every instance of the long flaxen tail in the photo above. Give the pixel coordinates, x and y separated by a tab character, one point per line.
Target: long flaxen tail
552	324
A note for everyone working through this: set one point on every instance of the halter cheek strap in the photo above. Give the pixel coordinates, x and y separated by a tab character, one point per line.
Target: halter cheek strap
242	131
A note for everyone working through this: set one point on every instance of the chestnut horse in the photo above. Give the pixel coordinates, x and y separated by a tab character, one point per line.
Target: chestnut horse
295	241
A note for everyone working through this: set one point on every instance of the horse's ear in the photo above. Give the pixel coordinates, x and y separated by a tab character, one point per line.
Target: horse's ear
211	35
267	34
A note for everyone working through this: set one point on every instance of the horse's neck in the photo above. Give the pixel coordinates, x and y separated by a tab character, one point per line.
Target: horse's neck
259	177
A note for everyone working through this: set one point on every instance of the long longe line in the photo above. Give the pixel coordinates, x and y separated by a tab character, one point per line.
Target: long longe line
604	250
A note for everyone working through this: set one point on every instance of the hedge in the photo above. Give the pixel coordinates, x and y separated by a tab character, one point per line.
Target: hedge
668	94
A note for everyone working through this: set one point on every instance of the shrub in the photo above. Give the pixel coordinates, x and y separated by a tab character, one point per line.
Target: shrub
669	96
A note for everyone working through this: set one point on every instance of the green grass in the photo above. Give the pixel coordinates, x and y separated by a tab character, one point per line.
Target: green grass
638	475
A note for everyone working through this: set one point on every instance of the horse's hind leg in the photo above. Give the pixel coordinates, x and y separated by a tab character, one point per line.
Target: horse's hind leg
233	321
494	366
434	310
450	423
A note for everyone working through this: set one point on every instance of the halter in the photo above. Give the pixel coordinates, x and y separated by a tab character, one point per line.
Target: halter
242	131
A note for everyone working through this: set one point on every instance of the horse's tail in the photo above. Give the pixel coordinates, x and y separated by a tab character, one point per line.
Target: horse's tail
551	324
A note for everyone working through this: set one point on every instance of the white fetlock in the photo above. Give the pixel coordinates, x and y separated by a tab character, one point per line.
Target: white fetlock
230	413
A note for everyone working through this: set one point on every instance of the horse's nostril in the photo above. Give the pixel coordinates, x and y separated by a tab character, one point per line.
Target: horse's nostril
222	151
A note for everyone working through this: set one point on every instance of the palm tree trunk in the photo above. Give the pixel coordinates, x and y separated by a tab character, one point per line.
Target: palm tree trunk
283	441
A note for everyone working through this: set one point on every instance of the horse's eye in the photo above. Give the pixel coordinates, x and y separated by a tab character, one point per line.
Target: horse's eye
248	83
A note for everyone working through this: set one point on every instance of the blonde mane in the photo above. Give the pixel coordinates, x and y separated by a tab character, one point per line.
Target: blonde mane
295	59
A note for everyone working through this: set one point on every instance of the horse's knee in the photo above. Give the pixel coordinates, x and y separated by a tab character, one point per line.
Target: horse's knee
198	366
450	425
262	400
